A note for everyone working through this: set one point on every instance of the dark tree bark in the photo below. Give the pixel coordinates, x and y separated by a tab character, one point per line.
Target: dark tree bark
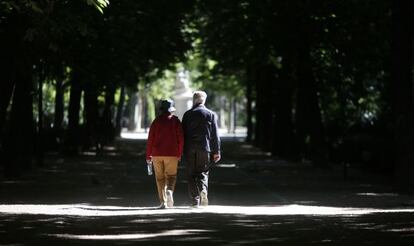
120	111
264	110
309	127
18	147
73	114
283	140
6	91
59	105
40	133
108	113
91	114
402	78
8	60
249	111
235	113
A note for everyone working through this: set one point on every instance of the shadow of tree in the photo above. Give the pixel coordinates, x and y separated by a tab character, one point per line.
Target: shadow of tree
115	183
207	229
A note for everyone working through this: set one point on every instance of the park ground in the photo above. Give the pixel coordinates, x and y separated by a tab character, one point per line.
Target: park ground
108	199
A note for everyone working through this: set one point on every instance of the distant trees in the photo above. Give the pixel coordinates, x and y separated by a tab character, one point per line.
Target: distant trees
88	48
317	74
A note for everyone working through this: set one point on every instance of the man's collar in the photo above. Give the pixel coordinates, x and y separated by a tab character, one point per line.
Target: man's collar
199	105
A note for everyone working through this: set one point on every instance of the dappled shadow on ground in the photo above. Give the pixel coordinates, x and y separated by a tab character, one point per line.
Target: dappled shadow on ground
255	199
220	225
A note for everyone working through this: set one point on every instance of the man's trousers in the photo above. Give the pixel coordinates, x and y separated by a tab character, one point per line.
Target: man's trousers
197	164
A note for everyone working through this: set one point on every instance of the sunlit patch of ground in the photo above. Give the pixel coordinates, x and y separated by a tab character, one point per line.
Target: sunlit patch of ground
89	210
166	233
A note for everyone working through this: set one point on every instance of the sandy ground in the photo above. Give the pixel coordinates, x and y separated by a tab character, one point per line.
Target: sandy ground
109	199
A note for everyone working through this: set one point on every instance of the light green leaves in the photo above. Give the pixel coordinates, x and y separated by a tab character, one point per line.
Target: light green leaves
98	4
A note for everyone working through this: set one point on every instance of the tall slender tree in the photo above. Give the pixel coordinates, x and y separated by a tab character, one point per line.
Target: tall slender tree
403	92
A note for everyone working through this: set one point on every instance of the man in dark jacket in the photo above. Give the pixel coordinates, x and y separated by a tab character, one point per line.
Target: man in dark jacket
201	147
164	149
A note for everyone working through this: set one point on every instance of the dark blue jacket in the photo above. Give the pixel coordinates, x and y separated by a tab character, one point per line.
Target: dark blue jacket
200	130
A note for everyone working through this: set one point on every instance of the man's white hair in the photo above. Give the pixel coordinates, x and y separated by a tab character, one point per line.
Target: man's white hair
199	97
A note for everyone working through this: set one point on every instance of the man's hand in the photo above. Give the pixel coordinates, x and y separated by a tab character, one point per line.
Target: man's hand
216	157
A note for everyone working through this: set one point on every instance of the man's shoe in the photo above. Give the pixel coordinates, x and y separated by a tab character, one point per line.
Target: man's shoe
170	200
194	206
203	199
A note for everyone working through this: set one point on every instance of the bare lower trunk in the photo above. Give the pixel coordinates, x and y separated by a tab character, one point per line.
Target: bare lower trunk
73	115
59	105
108	128
91	115
231	126
120	111
402	78
39	137
264	110
309	126
18	147
249	110
6	91
283	126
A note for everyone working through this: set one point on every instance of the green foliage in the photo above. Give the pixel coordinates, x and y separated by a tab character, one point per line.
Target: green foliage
351	62
204	74
162	87
99	4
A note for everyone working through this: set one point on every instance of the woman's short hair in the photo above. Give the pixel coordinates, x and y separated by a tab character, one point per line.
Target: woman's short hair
199	97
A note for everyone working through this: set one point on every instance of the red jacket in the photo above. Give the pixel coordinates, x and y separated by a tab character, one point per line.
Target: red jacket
165	137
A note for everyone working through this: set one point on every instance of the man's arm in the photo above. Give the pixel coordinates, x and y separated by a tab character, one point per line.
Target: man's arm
215	139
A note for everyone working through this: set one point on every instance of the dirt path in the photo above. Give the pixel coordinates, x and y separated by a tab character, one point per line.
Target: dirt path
109	200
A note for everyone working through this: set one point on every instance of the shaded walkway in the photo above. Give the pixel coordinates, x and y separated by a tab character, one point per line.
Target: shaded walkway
109	199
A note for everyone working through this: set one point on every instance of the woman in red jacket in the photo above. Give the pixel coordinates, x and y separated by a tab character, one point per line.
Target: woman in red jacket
164	148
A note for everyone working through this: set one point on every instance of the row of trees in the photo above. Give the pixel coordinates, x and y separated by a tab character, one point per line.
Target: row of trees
318	76
323	80
88	47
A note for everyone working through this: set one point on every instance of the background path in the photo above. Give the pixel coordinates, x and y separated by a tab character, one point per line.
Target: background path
109	199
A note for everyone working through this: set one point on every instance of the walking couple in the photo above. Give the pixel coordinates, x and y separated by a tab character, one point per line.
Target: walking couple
196	138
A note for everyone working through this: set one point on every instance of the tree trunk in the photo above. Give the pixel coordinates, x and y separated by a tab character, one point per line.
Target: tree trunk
221	114
73	114
91	115
309	125
132	103
235	115
8	59
120	111
59	105
145	111
249	110
264	110
402	78
108	130
18	147
282	104
231	112
6	92
39	139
